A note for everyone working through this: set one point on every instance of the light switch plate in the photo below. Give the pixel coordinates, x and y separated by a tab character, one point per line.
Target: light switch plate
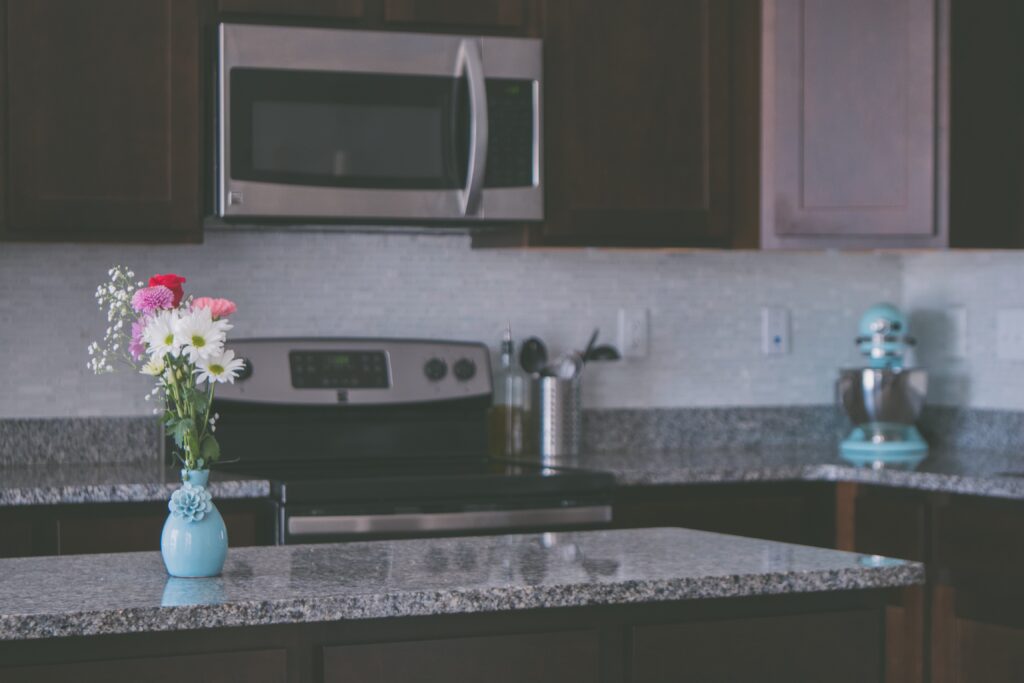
1010	334
957	316
775	331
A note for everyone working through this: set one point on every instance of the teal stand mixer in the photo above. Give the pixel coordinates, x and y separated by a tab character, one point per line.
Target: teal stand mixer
884	399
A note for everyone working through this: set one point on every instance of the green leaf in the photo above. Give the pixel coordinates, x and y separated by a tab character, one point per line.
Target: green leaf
209	449
180	429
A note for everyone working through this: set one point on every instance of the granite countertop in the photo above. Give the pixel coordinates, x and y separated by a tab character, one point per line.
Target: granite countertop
963	471
87	595
110	483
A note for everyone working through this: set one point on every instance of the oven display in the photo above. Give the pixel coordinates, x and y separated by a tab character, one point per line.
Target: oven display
339	369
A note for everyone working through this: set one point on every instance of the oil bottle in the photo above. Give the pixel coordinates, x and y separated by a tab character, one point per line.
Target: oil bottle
508	414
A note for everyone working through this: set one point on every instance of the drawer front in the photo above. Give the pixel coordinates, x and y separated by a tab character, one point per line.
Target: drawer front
536	657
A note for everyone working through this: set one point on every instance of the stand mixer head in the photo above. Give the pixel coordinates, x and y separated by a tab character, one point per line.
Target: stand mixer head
884	399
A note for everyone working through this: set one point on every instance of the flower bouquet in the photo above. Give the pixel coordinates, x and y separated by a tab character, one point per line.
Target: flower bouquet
179	341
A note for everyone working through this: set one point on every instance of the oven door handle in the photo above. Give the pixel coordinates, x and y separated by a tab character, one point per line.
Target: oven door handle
470	63
313	525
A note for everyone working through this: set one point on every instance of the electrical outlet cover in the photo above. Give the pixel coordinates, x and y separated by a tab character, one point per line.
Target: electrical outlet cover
634	326
775	331
1010	334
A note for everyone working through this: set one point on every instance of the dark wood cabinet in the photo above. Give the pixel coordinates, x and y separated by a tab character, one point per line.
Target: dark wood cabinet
323	9
540	657
835	647
103	120
253	666
801	513
637	116
855	124
118	527
503	15
893	523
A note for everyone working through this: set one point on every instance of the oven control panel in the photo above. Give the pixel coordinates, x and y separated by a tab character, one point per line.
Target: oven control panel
358	371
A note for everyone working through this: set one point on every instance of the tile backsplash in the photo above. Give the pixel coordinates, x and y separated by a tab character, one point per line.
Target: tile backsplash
705	324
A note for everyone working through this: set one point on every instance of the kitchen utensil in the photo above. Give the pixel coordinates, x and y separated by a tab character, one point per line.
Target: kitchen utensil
590	345
533	356
602	353
567	366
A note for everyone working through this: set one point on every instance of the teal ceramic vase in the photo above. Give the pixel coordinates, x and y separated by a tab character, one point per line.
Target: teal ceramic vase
194	542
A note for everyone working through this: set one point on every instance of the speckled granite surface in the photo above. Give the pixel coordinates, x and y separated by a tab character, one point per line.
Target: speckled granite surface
110	483
76	440
963	471
130	593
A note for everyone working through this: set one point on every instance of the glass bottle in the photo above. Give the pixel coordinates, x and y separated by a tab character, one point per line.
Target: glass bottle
508	412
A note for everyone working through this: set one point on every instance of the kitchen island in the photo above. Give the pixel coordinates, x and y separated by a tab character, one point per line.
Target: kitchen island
601	605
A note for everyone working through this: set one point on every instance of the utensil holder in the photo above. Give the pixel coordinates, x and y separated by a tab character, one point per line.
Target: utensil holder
556	406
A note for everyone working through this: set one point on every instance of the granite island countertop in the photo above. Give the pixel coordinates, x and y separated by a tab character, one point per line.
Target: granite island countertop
58	484
87	595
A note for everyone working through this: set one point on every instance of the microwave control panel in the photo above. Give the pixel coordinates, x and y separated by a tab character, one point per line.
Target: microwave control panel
510	150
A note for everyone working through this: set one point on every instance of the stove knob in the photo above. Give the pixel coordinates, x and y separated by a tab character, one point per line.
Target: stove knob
435	369
245	372
465	369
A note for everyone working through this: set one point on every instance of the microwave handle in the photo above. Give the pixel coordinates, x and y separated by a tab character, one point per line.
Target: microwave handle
471	64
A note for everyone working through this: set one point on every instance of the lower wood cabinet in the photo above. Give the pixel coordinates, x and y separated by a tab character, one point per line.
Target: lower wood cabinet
537	657
838	647
264	666
800	513
118	527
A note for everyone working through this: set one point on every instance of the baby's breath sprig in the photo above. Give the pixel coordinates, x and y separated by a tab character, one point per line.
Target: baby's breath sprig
114	297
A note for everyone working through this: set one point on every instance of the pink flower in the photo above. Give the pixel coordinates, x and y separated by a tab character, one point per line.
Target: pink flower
135	346
151	299
219	308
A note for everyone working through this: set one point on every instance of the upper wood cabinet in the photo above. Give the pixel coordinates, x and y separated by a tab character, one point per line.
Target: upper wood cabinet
103	120
854	104
501	15
637	113
324	9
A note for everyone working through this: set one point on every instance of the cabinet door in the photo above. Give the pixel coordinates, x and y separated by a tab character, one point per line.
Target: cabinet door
895	524
496	14
837	647
104	120
323	9
259	666
536	657
853	118
637	122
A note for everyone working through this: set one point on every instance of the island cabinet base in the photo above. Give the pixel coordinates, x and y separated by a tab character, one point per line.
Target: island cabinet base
835	637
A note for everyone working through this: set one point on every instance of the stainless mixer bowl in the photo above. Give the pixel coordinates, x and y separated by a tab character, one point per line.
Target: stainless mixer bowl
877	395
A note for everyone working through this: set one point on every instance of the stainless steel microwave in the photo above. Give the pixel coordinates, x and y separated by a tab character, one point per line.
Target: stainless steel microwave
335	125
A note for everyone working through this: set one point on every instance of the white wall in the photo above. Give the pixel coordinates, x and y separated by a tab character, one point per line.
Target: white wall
705	320
983	283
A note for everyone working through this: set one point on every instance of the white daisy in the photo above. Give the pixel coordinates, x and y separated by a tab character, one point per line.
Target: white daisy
223	367
155	367
199	335
159	335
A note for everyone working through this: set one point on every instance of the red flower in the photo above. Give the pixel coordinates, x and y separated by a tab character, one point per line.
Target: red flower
172	282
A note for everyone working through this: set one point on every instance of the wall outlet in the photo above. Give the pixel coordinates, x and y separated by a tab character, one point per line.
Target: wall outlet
1010	334
957	320
634	328
775	331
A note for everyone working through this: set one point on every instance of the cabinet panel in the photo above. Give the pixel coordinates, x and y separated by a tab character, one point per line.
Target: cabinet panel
835	647
853	123
539	657
259	666
104	119
324	9
636	122
507	14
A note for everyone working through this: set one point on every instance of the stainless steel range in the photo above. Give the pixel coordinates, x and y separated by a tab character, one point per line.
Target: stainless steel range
385	438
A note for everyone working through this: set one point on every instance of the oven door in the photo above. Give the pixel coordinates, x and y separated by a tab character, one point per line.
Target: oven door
331	124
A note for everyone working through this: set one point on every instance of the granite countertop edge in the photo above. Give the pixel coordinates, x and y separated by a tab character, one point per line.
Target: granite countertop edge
421	603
